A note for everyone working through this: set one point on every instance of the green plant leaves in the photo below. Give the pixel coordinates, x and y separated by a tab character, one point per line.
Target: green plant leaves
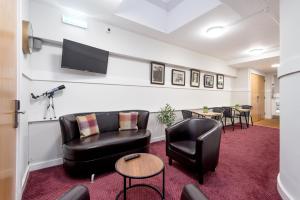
167	115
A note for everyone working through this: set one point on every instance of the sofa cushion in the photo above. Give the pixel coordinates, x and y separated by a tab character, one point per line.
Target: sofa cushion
105	144
87	125
185	147
128	120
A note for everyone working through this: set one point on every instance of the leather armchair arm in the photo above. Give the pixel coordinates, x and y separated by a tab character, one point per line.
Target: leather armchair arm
176	131
208	145
191	192
78	192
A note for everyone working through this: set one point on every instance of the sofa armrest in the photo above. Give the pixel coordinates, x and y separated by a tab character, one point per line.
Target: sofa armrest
191	192
177	131
79	192
208	147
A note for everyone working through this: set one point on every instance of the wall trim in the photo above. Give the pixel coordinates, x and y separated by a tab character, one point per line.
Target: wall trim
45	164
282	190
32	78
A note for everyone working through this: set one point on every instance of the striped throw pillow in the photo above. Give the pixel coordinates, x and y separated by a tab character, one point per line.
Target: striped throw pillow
128	120
87	125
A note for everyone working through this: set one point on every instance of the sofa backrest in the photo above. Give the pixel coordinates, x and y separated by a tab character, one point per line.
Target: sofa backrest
107	122
198	126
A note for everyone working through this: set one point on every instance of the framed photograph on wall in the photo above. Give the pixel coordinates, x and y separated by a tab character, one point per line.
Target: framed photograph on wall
195	78
157	73
178	77
208	81
220	81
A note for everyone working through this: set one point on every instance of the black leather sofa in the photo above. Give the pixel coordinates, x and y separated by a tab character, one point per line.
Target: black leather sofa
86	156
195	142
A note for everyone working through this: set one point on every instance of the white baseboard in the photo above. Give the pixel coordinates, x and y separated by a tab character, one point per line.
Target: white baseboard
45	164
282	191
24	179
157	139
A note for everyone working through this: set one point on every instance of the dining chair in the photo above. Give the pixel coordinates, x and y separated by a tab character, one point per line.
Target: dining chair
229	113
219	118
186	114
248	113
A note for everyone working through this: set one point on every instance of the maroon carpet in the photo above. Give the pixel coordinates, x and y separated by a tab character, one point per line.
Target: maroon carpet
247	170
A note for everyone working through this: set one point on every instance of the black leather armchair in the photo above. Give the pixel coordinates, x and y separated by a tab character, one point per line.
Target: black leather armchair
79	192
191	192
195	142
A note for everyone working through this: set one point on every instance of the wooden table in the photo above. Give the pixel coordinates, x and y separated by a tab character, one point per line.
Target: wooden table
146	166
206	114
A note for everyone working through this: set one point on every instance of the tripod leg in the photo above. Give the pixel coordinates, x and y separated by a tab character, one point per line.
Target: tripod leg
46	111
53	109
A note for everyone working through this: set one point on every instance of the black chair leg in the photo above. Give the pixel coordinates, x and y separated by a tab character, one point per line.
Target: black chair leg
232	123
170	161
200	178
251	120
241	122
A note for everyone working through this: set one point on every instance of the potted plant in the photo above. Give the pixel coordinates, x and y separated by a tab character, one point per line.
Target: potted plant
167	115
237	106
205	109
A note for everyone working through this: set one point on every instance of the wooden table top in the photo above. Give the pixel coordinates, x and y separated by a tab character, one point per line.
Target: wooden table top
241	109
208	114
146	165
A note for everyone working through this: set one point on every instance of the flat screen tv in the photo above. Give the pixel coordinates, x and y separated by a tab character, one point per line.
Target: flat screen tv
82	57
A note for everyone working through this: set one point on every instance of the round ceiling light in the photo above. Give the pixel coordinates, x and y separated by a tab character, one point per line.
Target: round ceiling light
255	52
215	31
275	65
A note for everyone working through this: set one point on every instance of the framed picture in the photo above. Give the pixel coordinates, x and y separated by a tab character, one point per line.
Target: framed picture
220	81
178	77
195	78
157	73
208	81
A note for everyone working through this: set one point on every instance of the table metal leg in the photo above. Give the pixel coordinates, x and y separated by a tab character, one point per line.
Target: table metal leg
124	192
129	182
163	186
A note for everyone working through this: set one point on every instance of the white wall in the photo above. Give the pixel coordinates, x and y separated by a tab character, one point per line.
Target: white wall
241	88
119	40
289	176
125	86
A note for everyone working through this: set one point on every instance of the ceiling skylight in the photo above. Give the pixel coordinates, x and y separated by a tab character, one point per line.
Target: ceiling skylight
148	13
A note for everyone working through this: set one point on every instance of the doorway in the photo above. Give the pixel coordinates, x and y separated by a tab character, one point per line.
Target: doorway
258	97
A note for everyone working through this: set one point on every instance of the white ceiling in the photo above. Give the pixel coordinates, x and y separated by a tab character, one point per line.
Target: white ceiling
248	26
263	65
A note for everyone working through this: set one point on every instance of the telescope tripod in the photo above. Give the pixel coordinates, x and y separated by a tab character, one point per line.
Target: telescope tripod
49	107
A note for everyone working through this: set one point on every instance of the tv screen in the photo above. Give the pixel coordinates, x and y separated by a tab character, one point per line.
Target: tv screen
82	57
